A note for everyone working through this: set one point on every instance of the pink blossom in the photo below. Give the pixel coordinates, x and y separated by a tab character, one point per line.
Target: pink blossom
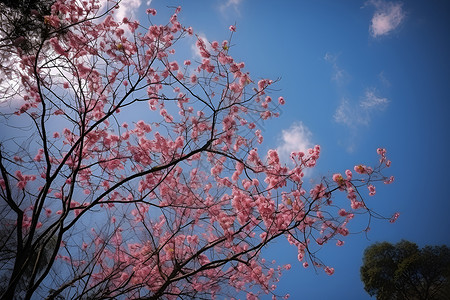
259	136
343	231
83	71
371	190
173	66
23	179
394	217
338	179
193	78
381	151
342	212
390	180
233	28
357	204
339	243
215	45
261	84
281	100
349	174
38	156
119	32
57	47
151	11
360	169
329	271
225	46
168	118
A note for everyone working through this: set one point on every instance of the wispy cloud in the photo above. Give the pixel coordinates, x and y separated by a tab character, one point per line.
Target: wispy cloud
10	83
387	17
355	114
339	74
383	79
296	138
231	4
372	101
347	114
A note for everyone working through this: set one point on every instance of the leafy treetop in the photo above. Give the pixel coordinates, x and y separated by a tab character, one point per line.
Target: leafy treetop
404	271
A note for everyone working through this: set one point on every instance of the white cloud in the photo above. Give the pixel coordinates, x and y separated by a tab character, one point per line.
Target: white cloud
339	74
295	138
371	101
345	113
10	83
387	17
383	79
127	8
231	4
353	115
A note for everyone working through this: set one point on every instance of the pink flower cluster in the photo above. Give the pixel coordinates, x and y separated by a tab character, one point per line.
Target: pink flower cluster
22	179
185	202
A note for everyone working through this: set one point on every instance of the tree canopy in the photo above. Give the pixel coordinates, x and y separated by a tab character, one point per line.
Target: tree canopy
405	271
24	23
126	172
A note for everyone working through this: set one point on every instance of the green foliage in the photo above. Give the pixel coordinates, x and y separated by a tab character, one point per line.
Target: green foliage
403	271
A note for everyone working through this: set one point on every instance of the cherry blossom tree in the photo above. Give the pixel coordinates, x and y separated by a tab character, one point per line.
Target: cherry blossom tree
128	173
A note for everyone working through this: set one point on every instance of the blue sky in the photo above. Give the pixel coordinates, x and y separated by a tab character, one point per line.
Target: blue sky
356	75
